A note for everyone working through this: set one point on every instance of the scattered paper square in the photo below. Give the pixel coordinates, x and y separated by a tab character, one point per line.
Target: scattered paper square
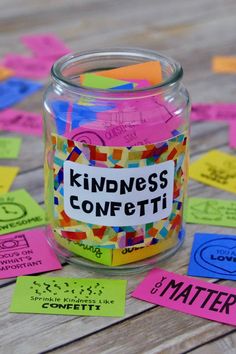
9	148
69	296
7	176
213	256
26	252
19	211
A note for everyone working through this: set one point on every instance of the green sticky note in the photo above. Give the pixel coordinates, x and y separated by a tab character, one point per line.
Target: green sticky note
19	211
96	254
210	212
69	296
9	148
100	82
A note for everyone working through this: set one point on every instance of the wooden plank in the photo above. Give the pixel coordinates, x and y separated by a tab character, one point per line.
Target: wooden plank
225	344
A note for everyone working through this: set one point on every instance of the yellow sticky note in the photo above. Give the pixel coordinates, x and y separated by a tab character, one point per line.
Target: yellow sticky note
134	254
150	71
7	176
217	169
5	73
224	64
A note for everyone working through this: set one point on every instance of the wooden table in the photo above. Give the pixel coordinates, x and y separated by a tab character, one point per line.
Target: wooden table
190	31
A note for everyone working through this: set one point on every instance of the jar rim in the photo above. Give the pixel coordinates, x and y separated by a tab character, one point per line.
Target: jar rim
138	53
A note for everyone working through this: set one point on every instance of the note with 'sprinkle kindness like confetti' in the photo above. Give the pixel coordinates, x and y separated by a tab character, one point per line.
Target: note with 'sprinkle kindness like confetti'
69	296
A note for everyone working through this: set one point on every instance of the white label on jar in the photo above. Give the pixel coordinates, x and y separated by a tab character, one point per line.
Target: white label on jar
118	196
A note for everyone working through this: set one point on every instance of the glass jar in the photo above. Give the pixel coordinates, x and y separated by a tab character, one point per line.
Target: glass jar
116	161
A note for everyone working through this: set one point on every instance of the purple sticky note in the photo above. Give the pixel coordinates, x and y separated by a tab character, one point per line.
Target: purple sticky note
21	121
27	67
232	134
46	45
26	252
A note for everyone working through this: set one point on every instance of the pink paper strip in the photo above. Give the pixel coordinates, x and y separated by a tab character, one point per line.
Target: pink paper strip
213	111
21	121
27	67
232	134
26	252
45	45
189	295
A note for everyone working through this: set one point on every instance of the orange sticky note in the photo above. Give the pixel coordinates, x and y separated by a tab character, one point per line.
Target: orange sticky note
224	64
150	71
5	73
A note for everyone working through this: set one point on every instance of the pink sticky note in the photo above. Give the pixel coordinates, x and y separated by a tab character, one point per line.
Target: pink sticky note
21	121
189	295
232	134
27	67
46	45
26	252
213	111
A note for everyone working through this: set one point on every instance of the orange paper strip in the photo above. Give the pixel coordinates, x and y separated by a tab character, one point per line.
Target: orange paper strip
224	64
150	71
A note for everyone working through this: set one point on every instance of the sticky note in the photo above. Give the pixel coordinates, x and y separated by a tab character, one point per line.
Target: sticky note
217	169
224	64
232	134
193	296
210	211
27	67
111	257
9	147
134	254
213	111
69	296
7	176
19	211
93	253
5	73
45	45
19	121
15	90
150	71
213	256
100	82
26	252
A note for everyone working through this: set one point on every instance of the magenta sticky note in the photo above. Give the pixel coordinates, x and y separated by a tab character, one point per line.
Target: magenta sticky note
232	134
213	111
27	67
45	45
21	121
26	252
189	295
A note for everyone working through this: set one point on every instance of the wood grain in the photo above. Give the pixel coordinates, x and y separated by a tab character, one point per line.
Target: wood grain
190	31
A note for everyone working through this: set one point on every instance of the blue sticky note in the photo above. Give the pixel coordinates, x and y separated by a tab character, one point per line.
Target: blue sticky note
60	111
15	90
128	86
80	114
213	256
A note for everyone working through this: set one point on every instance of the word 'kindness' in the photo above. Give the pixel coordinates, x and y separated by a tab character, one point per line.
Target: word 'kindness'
125	196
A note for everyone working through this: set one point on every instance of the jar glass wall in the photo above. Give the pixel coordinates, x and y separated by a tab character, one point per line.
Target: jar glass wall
116	161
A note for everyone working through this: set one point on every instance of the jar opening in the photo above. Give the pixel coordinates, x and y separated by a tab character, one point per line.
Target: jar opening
68	69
